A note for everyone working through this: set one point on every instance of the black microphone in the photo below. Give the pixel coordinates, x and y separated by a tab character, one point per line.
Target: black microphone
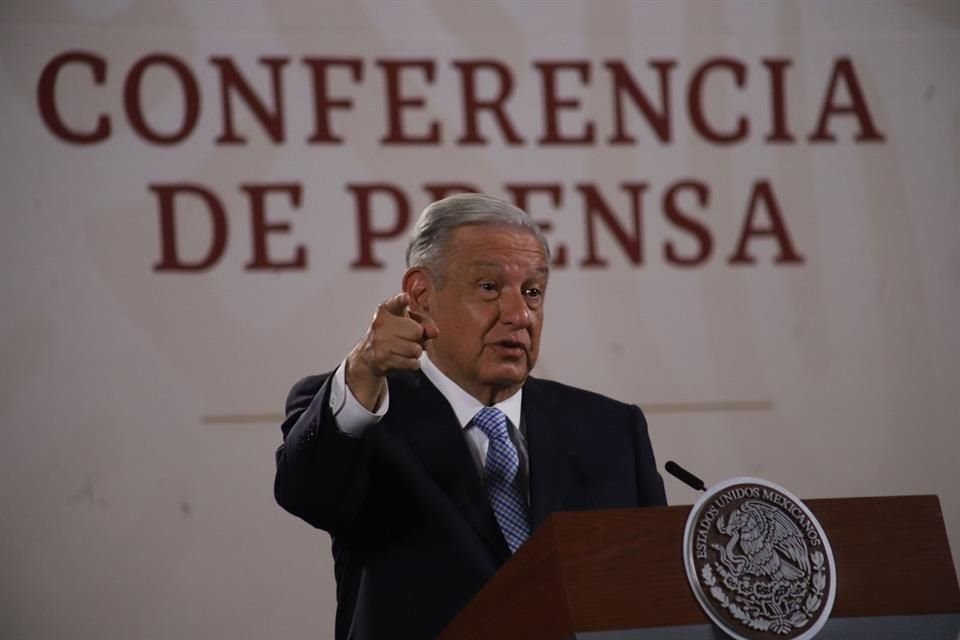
684	476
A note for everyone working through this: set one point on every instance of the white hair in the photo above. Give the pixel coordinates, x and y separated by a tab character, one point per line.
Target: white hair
429	242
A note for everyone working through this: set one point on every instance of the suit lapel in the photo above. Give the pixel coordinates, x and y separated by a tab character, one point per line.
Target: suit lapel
549	436
437	439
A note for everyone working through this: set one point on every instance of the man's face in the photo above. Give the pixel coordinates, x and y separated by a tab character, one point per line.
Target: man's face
489	310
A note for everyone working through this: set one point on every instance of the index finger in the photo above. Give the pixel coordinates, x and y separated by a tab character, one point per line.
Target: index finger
397	305
430	328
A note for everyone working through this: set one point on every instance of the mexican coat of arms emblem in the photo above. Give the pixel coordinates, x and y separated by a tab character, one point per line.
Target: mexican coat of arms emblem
758	561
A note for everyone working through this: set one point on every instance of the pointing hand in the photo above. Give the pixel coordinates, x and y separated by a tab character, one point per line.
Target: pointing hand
393	342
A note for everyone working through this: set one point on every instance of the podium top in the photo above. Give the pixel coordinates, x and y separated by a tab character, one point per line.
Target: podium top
623	569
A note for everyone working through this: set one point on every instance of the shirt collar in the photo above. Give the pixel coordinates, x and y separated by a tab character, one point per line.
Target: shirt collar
464	405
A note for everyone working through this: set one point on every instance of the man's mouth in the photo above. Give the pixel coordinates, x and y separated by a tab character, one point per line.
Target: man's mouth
511	348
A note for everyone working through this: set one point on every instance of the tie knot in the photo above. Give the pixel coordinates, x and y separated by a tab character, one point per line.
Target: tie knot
492	422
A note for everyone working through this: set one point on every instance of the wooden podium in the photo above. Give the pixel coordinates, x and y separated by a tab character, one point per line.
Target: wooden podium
613	574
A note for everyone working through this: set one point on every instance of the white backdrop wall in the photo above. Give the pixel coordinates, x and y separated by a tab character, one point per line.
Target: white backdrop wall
140	400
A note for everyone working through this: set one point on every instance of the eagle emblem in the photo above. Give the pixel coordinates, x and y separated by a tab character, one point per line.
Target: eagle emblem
759	562
771	544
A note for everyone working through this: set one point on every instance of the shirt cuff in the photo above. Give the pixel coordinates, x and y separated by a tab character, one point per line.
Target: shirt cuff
352	417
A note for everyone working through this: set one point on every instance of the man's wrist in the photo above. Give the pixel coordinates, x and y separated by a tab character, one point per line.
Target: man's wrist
350	416
367	388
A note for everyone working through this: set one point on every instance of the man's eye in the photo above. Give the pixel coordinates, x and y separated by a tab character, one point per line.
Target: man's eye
488	286
533	292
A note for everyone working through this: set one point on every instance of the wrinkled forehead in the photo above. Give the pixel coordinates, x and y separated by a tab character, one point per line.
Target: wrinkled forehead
498	242
527	268
501	251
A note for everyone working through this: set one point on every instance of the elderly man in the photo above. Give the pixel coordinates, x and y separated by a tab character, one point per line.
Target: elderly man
430	454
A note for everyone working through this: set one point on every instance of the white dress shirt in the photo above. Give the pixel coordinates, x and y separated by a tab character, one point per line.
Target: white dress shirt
354	419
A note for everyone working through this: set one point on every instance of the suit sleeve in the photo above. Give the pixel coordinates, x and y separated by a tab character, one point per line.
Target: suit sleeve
650	491
321	471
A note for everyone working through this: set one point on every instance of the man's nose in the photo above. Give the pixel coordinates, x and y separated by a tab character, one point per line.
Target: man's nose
514	309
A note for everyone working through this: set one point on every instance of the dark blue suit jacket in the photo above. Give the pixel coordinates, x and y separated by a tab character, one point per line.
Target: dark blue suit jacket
414	537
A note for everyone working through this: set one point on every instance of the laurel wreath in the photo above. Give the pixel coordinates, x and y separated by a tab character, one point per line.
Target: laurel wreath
781	626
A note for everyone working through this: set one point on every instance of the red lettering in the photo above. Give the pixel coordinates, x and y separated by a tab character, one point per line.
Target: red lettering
596	206
397	103
843	71
366	233
778	103
232	82
189	90
472	104
623	83
260	228
695	101
46	97
763	193
170	259
322	102
553	104
682	220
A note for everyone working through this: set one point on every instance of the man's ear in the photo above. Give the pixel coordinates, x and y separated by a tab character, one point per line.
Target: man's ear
418	284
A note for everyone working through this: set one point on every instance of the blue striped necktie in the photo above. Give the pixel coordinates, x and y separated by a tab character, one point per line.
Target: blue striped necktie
501	471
